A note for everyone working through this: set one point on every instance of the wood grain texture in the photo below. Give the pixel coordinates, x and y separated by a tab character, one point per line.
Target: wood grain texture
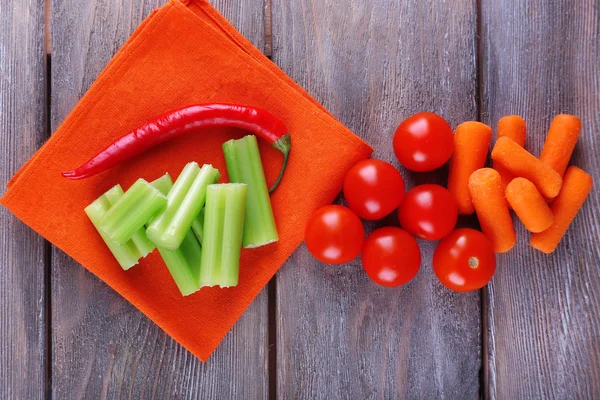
540	59
102	346
22	131
372	64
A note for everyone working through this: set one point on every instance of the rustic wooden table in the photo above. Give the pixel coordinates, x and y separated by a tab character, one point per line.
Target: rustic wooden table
321	331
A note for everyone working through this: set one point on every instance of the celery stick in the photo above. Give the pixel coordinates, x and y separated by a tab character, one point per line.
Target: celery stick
222	234
127	255
163	184
184	202
141	241
184	264
132	211
245	166
198	226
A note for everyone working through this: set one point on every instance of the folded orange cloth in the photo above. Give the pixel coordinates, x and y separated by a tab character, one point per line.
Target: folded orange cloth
184	53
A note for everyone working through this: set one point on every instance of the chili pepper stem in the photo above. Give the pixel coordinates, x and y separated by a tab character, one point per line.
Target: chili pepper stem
283	144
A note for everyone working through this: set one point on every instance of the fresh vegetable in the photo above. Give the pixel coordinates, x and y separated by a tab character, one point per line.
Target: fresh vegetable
184	262
334	235
198	226
492	209
472	142
373	189
128	254
391	256
423	142
184	202
163	184
464	260
514	127
139	238
428	212
529	205
524	164
185	120
245	166
129	214
560	142
577	186
222	234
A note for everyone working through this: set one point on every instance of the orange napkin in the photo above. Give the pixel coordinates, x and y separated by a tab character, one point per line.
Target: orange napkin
184	53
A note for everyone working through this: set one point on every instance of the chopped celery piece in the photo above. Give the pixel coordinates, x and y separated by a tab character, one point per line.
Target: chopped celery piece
222	234
184	264
163	184
132	211
127	255
144	245
184	202
245	166
198	226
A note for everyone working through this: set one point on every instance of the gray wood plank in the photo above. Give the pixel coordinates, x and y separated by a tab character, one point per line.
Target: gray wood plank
22	131
103	346
372	64
539	59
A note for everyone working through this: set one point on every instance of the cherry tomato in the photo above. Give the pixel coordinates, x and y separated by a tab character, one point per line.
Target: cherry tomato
423	142
334	235
464	260
373	189
391	256
428	212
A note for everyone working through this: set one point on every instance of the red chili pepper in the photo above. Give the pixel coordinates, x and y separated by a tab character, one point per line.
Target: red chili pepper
175	123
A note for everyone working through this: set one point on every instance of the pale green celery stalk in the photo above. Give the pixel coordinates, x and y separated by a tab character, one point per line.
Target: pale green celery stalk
222	234
183	263
163	184
184	202
127	255
245	166
132	211
198	226
141	241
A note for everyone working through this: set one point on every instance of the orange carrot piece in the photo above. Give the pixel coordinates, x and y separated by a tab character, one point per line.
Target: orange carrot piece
560	142
514	127
522	163
565	207
471	145
529	205
492	209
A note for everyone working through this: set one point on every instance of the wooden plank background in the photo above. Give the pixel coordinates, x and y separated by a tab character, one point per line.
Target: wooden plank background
540	59
23	329
533	333
341	334
102	345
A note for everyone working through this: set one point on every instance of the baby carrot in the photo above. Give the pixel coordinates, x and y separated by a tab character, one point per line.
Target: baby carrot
560	142
514	127
492	209
565	207
522	163
471	144
529	205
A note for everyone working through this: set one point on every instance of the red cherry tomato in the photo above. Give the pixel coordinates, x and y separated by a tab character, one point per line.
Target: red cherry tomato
373	189
428	212
423	142
391	256
464	260
334	235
